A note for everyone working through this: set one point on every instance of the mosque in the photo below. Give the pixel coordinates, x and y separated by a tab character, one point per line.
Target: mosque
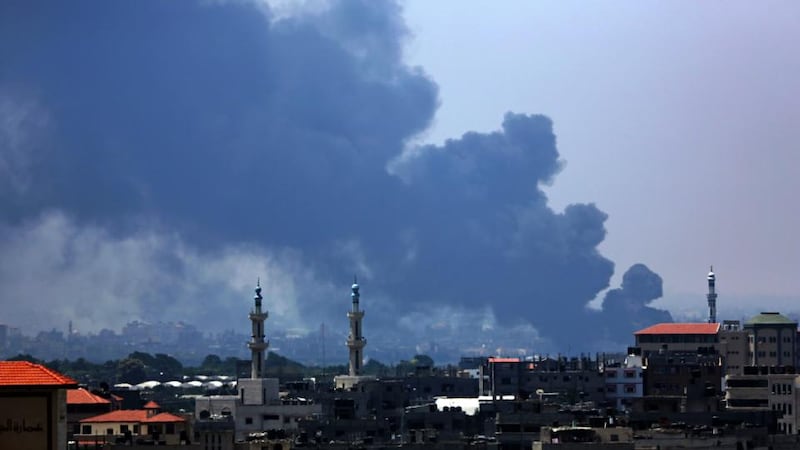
259	405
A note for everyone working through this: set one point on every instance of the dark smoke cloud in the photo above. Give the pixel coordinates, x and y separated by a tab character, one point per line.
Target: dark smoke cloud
183	135
630	303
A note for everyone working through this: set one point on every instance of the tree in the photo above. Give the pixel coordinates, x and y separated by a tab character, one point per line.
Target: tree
167	366
211	363
131	371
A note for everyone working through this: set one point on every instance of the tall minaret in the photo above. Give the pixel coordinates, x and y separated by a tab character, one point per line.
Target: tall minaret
257	343
712	297
355	341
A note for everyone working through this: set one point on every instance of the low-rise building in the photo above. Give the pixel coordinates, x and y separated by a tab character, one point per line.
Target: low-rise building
678	337
33	406
766	389
576	438
134	426
82	404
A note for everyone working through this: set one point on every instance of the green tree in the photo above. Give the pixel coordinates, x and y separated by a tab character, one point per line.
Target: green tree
131	370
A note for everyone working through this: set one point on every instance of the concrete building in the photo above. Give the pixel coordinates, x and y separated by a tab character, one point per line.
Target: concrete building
562	379
625	382
681	337
33	406
684	382
576	438
733	346
772	338
768	381
766	389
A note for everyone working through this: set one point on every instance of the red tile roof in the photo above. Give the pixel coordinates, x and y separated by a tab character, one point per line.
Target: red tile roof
151	405
133	415
681	328
28	374
81	396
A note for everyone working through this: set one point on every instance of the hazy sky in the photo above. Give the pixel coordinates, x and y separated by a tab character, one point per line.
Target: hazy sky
680	119
477	165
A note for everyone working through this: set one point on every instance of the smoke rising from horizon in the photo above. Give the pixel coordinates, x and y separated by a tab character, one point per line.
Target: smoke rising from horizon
165	154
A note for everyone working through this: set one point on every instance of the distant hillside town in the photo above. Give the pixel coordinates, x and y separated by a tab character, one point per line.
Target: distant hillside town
726	384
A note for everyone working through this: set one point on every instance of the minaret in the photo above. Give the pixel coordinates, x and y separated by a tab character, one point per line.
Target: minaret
712	297
355	341
257	343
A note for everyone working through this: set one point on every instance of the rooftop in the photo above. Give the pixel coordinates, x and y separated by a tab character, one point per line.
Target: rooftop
770	318
28	374
81	396
681	328
133	415
503	360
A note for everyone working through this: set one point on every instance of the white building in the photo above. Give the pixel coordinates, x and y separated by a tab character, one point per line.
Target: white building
625	383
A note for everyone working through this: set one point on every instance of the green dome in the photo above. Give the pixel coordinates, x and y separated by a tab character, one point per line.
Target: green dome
770	318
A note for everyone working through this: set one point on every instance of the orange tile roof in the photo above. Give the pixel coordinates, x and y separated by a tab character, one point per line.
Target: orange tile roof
24	373
164	417
133	415
121	415
503	360
151	405
81	396
681	328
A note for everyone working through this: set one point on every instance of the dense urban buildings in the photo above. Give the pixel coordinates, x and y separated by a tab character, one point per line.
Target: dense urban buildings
732	383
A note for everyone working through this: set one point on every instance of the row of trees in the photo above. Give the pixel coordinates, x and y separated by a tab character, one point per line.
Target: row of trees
139	366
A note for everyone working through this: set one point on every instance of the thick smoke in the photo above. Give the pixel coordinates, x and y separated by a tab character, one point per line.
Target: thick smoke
630	303
164	154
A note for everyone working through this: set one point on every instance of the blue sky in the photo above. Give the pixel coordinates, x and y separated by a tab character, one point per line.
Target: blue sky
477	165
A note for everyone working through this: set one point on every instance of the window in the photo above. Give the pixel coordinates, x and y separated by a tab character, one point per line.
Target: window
611	373
630	374
109	431
248	420
630	388
86	429
123	428
136	429
170	428
611	388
